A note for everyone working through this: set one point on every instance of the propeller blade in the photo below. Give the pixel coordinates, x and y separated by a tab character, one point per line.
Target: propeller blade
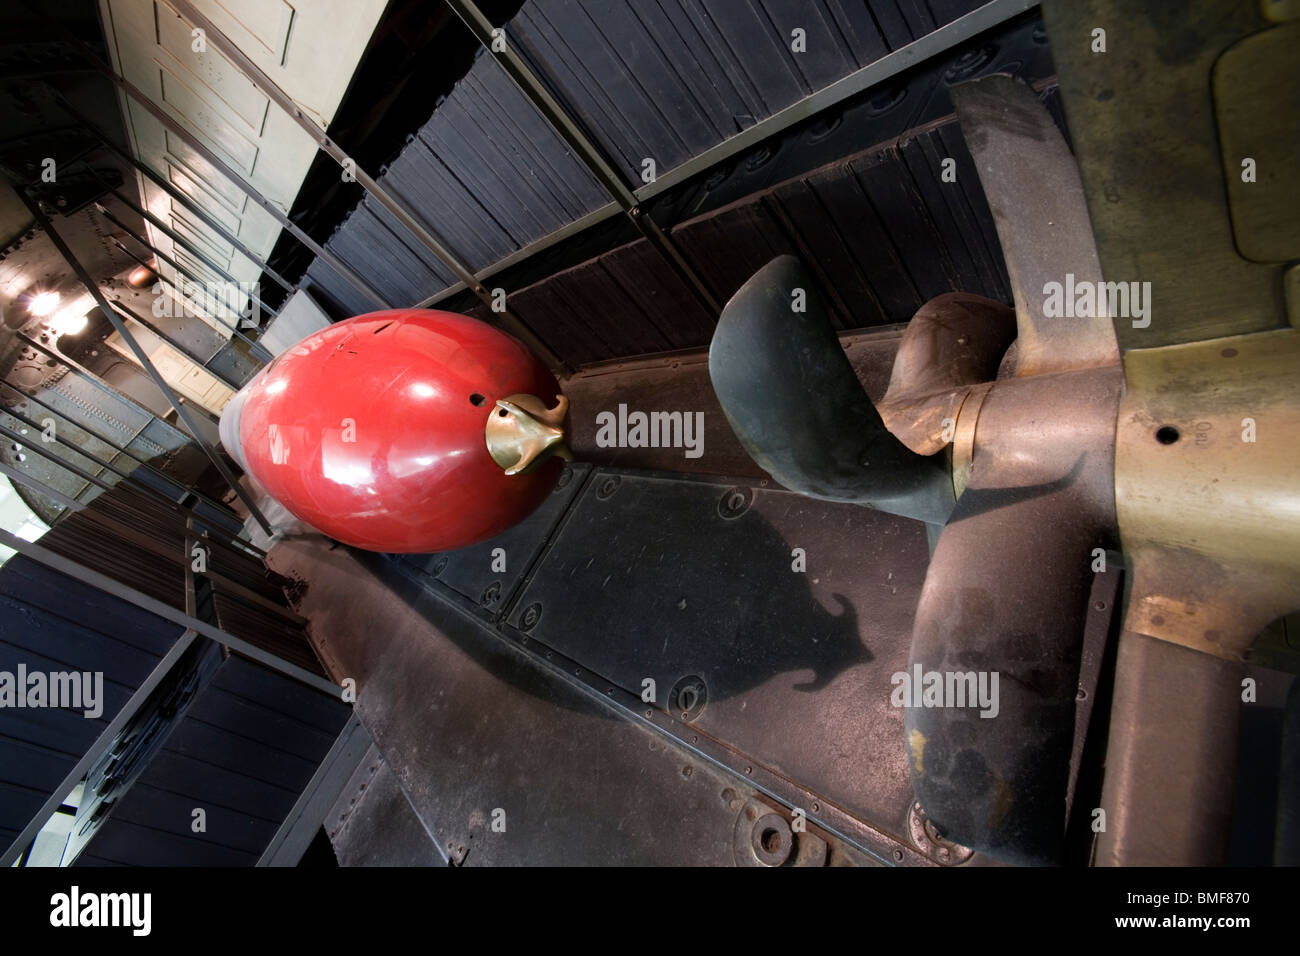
1007	594
997	783
795	403
1033	189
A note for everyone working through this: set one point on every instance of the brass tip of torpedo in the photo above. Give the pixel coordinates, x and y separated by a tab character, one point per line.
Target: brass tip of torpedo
521	432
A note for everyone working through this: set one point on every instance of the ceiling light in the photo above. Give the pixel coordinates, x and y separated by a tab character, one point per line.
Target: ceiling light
43	303
67	323
140	277
72	319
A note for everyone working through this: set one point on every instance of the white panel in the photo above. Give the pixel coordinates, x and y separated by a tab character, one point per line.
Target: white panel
213	190
301	48
217	211
265	22
214	73
194	267
190	381
201	236
298	318
310	52
201	117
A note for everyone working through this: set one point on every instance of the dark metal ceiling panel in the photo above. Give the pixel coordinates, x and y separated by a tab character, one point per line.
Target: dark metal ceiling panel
668	79
332	291
975	265
51	623
381	249
243	752
723	245
485	172
880	230
660	293
541	185
661	81
422	178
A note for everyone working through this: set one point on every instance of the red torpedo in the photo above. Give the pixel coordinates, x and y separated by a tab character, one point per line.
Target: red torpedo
408	430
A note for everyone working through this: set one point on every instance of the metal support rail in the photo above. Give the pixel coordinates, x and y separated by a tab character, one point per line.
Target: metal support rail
409	220
964	28
125	476
140	462
188	138
181	409
591	155
172	192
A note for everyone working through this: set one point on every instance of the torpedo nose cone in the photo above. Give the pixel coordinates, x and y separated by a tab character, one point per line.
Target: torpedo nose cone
372	430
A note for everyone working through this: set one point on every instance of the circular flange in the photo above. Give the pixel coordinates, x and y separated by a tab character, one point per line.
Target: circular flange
532	614
687	698
771	840
931	842
608	485
735	502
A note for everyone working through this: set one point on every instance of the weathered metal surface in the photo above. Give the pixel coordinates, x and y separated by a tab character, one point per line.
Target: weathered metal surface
1257	111
1150	91
548	773
1034	450
374	824
659	580
1007	593
1169	767
1096	670
931	841
29	455
83	399
1205	502
681	381
489	574
954	341
1208	448
1033	189
1205	489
